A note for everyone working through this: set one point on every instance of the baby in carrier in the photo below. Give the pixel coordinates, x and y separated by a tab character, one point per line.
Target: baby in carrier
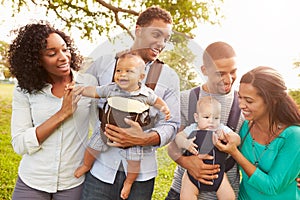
198	138
127	98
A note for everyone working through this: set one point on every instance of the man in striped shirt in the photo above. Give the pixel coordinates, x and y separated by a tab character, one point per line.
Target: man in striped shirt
219	66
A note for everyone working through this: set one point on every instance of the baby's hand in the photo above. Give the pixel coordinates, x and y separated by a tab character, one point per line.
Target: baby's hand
70	86
166	110
191	146
224	130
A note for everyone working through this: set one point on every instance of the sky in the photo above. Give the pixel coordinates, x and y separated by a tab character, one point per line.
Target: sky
263	32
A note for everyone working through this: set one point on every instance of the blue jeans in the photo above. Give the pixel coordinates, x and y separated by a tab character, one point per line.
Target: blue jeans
95	189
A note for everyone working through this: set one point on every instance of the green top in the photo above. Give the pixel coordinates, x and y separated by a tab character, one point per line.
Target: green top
278	166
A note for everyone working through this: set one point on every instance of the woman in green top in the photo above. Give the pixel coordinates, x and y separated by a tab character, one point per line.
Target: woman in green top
269	154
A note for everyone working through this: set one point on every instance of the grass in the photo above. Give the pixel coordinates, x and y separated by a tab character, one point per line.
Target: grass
9	160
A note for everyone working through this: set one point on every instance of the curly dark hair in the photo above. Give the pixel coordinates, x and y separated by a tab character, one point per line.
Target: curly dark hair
25	52
154	12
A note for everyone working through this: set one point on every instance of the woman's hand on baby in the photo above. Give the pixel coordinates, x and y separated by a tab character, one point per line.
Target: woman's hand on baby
221	136
229	147
235	138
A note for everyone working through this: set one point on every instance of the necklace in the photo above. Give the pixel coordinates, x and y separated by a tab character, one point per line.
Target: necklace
258	158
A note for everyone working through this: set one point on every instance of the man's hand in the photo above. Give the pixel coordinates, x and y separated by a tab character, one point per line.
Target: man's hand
201	171
195	165
128	137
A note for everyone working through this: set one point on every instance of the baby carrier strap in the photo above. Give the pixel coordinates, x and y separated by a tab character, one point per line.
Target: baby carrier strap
151	81
234	114
153	74
232	121
193	98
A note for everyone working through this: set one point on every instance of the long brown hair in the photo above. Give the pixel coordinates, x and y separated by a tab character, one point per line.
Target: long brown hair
271	87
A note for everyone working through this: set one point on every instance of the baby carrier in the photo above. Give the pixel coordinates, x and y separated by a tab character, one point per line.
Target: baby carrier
116	109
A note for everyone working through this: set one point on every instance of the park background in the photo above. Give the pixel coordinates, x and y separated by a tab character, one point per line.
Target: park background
263	32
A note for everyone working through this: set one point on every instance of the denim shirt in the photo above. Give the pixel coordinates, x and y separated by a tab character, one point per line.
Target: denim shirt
50	166
106	165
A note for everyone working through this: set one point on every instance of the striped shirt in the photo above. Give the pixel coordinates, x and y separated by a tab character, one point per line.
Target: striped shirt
226	102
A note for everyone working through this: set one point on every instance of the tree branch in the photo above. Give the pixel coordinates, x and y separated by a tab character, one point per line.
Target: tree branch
122	25
117	9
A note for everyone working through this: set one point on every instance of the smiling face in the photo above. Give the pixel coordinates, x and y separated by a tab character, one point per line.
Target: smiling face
252	105
56	57
130	71
221	75
151	39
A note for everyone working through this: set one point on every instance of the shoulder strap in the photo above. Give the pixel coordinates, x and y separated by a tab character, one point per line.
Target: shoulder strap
112	79
153	74
193	98
232	122
102	110
234	114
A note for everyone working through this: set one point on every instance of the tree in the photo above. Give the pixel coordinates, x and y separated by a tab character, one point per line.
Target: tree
98	17
182	59
94	18
296	93
3	59
296	63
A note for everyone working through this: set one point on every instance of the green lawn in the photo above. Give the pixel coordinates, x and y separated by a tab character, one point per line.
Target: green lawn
9	160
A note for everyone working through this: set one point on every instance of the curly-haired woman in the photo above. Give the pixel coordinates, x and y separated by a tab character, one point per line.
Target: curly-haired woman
49	122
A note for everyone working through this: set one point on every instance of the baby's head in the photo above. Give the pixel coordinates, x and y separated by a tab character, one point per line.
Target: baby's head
130	71
208	113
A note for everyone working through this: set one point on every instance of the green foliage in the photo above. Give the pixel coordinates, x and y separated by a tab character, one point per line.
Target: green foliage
9	160
182	59
188	13
93	18
163	181
296	63
295	94
3	53
3	59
